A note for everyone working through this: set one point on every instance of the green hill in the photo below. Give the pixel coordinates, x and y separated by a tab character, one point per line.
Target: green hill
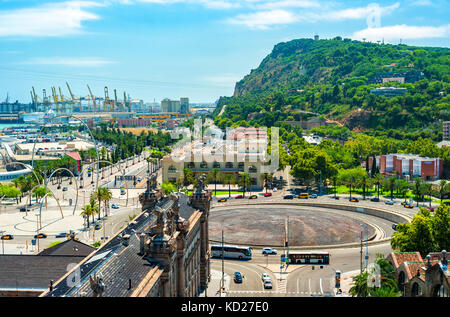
333	79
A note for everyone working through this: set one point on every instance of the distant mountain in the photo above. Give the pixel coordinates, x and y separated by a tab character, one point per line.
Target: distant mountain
305	62
335	79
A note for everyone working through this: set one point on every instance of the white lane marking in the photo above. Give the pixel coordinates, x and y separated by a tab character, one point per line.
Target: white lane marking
321	289
309	282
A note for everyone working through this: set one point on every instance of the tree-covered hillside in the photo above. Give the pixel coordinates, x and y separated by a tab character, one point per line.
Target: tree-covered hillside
333	78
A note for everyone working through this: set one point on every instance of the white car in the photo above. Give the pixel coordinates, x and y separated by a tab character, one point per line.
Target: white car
268	284
269	251
389	202
265	277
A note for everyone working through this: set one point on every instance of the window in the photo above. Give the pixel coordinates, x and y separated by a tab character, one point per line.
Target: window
252	169
191	165
216	165
416	291
203	165
241	165
229	165
172	169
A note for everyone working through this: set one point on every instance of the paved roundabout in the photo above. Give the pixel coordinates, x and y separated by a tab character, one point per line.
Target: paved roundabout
309	226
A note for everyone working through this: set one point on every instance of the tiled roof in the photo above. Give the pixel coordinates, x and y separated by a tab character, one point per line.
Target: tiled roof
412	267
33	271
400	257
118	263
69	248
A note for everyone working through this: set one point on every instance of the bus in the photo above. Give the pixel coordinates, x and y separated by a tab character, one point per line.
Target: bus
231	251
322	258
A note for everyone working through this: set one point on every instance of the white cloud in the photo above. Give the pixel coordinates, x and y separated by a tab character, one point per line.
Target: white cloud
402	31
355	13
54	19
263	19
288	4
69	61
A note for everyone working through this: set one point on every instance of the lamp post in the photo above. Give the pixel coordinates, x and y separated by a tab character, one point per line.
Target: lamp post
3	242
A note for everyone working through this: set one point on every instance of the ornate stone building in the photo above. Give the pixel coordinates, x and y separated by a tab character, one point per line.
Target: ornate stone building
419	278
164	251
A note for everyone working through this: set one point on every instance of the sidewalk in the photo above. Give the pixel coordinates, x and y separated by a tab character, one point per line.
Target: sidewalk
214	285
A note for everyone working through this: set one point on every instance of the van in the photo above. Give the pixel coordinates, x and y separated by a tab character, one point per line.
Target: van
303	196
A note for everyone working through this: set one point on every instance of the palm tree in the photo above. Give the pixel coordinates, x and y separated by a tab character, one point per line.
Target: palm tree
360	287
364	182
106	196
87	211
391	182
443	188
377	181
417	188
215	175
266	177
245	182
229	179
429	190
188	177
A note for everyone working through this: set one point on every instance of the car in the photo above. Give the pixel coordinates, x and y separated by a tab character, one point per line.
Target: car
23	209
288	197
122	191
354	200
40	236
269	251
114	206
237	277
267	284
394	226
389	202
275	189
375	199
265	277
62	235
404	203
267	194
431	209
222	200
64	189
98	226
408	206
253	197
303	196
139	179
313	196
7	237
238	197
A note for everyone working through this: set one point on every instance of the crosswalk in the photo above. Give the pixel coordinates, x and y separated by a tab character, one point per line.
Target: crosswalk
276	292
281	286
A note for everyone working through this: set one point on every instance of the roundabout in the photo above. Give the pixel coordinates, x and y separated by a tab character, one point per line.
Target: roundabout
309	226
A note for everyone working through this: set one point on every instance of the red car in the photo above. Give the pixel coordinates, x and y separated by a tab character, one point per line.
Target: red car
431	209
267	194
239	197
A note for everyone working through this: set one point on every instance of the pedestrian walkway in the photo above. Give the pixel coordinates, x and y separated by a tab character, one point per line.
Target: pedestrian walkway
215	284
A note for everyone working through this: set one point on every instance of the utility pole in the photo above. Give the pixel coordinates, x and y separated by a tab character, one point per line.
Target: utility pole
37	230
3	242
361	252
367	246
223	271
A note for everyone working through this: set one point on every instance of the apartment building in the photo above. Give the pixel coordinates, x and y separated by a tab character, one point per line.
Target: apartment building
245	152
410	165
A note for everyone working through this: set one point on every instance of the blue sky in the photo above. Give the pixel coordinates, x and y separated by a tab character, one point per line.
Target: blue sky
154	49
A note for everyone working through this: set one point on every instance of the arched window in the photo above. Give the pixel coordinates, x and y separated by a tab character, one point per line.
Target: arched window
172	169
216	165
440	291
241	165
203	165
252	169
191	165
229	165
401	282
416	290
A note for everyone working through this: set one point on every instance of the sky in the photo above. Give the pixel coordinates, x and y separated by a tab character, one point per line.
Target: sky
156	49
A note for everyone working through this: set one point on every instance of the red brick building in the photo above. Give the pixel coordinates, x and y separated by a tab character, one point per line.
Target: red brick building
410	165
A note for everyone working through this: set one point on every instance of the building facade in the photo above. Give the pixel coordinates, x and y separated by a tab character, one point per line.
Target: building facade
243	152
163	252
168	105
419	278
409	166
446	131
